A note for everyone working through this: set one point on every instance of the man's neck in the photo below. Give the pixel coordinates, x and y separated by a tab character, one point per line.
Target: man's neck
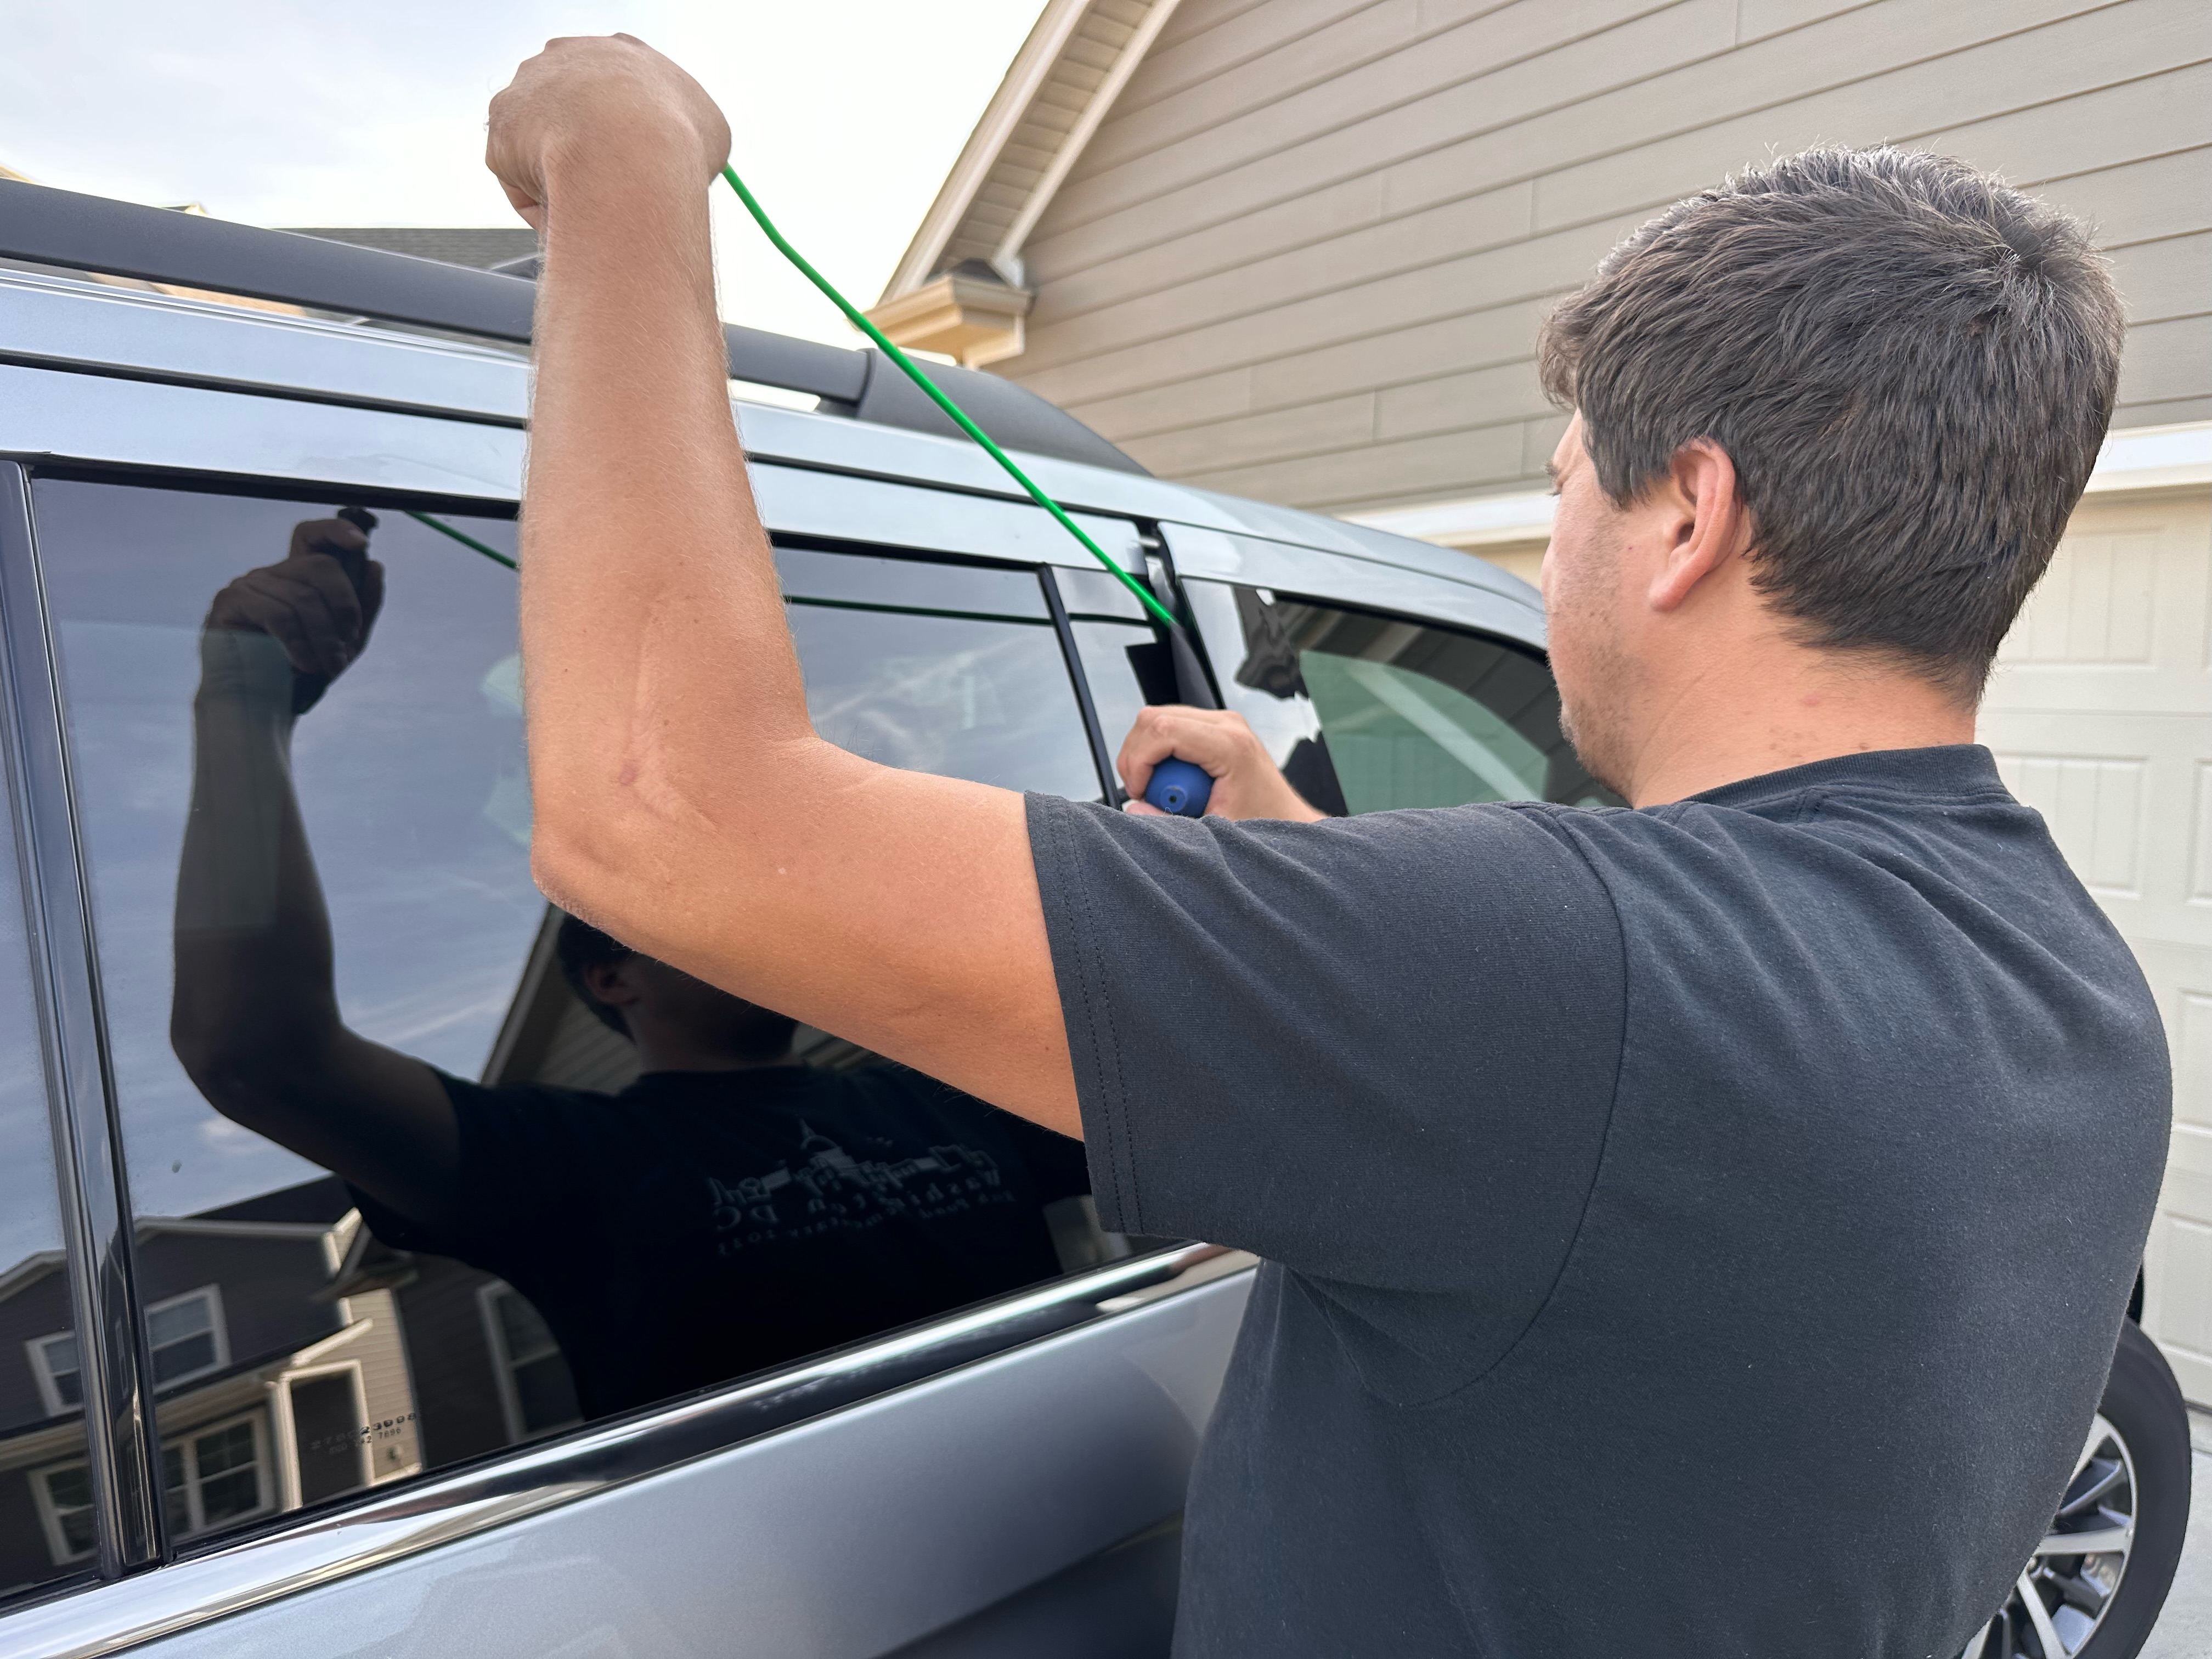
1779	710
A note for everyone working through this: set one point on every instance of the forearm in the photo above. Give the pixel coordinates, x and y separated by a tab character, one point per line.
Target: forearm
253	978
665	701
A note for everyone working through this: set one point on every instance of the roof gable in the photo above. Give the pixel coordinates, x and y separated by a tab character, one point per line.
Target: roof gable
1062	82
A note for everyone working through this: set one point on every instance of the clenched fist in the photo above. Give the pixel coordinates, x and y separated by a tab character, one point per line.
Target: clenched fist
318	602
607	98
1246	782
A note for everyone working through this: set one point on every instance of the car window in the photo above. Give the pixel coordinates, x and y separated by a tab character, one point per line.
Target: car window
1123	663
45	1495
1368	712
936	668
409	1190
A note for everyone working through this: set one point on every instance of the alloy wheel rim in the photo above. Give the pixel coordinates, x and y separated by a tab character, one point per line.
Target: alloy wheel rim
2061	1597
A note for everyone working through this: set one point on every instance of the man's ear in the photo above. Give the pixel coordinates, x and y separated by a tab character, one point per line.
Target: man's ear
614	984
1699	517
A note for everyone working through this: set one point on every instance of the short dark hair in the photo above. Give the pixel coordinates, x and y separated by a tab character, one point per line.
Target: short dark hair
579	946
1911	366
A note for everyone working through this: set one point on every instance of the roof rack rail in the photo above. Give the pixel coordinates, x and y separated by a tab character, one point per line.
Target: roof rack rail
40	225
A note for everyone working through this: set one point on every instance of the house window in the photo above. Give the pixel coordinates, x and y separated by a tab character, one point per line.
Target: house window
535	1390
215	1475
185	1336
65	1497
59	1374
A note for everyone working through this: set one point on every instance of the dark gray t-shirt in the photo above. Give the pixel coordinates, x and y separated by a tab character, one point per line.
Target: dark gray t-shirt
1696	1231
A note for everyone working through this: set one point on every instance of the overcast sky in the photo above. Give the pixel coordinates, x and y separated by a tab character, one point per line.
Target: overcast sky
846	115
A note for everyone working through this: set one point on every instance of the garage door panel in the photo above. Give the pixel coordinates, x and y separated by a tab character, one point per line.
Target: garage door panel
2178	1265
2100	716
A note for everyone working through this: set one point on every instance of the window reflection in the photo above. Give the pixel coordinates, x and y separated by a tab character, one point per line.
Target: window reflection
425	1169
45	1493
1366	712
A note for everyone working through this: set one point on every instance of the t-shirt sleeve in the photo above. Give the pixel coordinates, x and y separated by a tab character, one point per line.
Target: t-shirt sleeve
1378	1049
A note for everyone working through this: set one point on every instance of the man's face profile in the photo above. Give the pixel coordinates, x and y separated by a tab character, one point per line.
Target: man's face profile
1581	579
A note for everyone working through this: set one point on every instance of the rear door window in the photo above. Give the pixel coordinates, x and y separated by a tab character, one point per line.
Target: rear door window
403	1195
1368	712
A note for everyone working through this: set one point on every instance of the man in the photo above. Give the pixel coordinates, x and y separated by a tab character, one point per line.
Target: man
729	1210
1695	1229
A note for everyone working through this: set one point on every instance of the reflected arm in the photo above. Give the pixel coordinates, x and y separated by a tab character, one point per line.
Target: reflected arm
254	1017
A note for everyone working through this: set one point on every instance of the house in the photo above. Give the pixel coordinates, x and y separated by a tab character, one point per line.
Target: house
1300	250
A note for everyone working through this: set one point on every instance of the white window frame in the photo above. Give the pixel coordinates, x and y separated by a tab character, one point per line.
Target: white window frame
212	1295
503	1365
50	1391
267	1480
49	1518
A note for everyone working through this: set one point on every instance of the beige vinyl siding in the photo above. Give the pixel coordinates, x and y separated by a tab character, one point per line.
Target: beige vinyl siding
1305	255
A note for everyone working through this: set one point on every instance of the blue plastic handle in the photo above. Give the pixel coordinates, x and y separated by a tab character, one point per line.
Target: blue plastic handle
1179	787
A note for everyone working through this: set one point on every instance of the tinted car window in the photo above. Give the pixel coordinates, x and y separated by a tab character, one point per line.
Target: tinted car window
1407	713
45	1499
404	1197
936	668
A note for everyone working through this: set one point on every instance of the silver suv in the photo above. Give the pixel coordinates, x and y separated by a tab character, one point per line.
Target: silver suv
238	1415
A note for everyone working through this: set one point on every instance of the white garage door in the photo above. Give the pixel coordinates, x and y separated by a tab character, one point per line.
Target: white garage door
2100	716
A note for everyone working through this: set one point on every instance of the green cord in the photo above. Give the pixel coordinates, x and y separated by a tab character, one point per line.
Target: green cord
859	320
465	540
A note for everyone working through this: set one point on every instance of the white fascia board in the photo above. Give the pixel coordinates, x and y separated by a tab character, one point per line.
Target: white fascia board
2155	457
1480	521
2135	458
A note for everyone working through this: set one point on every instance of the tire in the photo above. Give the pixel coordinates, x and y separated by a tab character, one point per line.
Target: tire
2132	1489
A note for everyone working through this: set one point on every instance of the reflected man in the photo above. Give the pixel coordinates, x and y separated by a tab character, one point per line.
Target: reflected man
729	1210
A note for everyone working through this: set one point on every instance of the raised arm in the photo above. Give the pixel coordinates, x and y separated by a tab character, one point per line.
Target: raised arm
681	799
254	1017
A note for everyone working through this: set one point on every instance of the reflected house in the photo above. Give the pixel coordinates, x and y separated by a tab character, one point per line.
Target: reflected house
295	1358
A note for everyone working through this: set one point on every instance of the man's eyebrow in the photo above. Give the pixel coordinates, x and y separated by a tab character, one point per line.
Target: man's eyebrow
1552	472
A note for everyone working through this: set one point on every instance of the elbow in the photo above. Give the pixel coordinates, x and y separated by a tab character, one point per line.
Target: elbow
240	1068
578	865
228	1073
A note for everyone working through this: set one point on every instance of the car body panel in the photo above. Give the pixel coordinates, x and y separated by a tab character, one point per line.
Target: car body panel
951	1494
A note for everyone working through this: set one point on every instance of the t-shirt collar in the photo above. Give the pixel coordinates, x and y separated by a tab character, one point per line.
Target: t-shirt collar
1938	771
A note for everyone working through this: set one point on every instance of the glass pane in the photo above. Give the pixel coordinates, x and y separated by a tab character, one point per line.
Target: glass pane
546	1395
1380	712
523	1330
956	670
179	1320
1123	661
368	1082
45	1498
176	1496
1400	738
69	1494
175	1360
226	1449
